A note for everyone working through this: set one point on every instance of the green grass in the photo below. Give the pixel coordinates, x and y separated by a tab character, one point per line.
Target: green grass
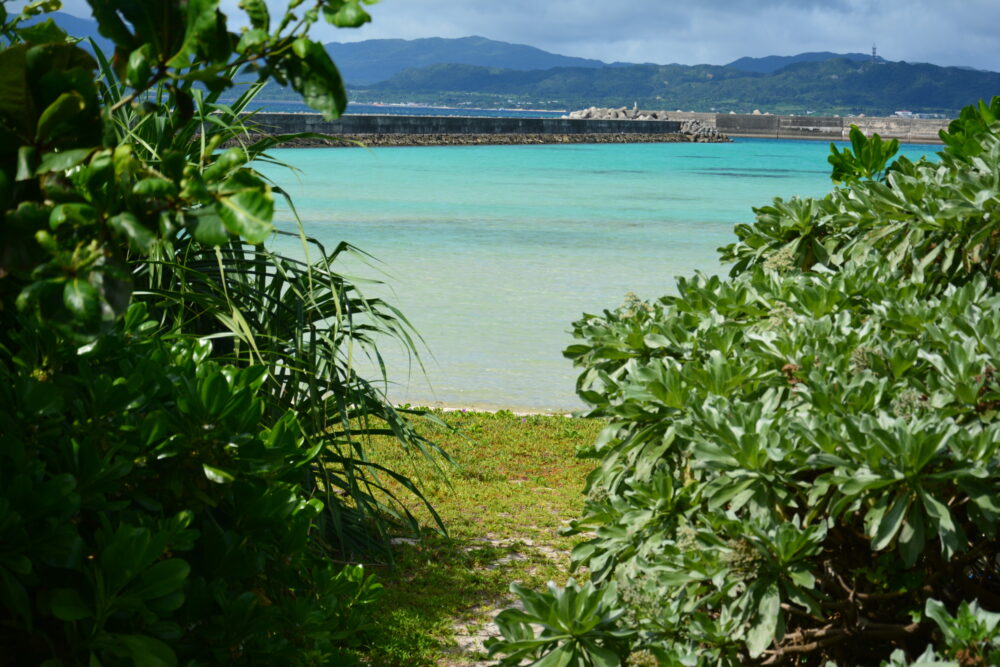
516	483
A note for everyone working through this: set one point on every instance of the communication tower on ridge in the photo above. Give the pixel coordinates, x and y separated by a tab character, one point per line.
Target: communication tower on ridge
874	55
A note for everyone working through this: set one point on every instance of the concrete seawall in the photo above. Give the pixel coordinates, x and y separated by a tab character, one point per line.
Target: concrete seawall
825	128
287	123
427	130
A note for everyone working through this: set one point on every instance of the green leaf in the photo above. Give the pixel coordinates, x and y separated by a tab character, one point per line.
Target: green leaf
159	188
891	522
42	33
62	160
146	651
252	41
139	238
913	536
312	73
204	24
761	633
601	656
139	67
161	579
14	597
82	300
75	214
208	227
349	15
59	112
246	207
26	163
217	475
256	10
937	612
941	518
561	657
67	605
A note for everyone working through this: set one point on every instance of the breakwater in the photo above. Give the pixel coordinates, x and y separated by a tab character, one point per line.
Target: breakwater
393	130
825	128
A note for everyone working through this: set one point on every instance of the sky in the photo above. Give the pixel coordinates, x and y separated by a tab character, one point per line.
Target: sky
943	32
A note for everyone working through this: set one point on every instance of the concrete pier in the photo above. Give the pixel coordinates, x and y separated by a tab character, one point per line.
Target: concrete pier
426	130
286	123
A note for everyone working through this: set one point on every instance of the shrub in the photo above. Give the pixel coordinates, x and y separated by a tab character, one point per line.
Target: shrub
800	462
181	475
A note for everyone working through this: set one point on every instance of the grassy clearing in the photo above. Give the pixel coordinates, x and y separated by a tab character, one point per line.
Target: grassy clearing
516	484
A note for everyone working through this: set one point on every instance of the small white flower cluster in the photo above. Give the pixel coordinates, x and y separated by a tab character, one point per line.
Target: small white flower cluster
908	403
781	260
781	314
633	305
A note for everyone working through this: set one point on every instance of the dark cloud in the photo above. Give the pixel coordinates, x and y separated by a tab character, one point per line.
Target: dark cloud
702	31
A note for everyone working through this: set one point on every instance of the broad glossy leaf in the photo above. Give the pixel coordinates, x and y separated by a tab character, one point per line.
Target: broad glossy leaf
208	227
139	238
146	651
202	28
41	33
912	537
67	605
140	66
62	160
256	10
246	207
161	579
765	622
348	15
65	107
564	656
312	73
891	522
73	214
155	187
217	475
27	158
82	299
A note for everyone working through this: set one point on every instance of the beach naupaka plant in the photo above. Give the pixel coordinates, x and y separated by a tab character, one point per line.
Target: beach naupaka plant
801	461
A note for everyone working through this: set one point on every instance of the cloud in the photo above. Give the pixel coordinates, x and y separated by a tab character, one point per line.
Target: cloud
709	31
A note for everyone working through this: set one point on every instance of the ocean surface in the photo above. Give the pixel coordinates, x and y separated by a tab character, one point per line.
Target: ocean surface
492	251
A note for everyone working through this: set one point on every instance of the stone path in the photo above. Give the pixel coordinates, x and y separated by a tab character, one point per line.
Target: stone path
476	626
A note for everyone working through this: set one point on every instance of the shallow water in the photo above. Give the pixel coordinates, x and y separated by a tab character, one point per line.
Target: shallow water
492	251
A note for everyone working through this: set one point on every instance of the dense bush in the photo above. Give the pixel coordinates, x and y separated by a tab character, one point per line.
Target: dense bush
801	461
181	475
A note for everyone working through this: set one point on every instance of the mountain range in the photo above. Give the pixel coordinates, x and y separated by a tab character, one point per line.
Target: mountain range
838	85
476	71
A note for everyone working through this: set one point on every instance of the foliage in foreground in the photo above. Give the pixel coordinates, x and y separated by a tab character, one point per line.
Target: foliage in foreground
179	461
801	463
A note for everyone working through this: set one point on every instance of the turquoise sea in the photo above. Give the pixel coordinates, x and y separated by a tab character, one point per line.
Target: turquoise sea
492	251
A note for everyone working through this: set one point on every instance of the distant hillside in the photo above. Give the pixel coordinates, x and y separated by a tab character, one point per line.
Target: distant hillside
770	64
839	85
375	60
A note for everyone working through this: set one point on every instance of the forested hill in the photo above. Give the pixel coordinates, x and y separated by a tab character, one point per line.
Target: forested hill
838	85
378	59
769	64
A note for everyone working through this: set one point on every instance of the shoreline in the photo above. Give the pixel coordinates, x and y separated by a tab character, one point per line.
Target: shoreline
438	406
513	139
